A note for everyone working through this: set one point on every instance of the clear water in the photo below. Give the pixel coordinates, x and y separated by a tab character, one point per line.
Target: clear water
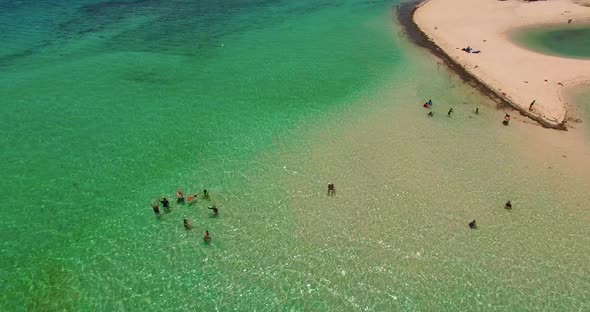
566	41
109	105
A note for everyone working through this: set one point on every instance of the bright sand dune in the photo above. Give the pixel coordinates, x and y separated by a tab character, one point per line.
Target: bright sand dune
518	75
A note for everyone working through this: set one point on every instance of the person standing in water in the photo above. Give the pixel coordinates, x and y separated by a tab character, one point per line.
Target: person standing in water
508	205
450	112
179	197
187	225
156	208
207	237
205	194
476	111
472	225
215	210
165	203
331	189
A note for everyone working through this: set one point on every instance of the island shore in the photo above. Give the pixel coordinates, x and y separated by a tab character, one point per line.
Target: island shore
511	74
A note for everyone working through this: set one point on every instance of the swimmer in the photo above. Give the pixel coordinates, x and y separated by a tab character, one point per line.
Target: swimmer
508	205
450	112
165	203
156	208
186	224
472	225
215	210
179	196
430	114
331	189
207	237
191	198
205	194
476	111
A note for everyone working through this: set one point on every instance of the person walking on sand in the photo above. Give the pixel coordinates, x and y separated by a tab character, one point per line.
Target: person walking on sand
207	237
450	112
531	106
331	189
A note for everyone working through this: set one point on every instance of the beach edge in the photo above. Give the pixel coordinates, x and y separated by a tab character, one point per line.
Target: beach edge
405	16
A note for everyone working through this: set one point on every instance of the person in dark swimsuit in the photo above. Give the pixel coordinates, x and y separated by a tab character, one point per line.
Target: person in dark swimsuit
331	189
215	210
472	225
165	203
156	208
431	114
187	225
207	237
205	194
508	205
450	112
476	111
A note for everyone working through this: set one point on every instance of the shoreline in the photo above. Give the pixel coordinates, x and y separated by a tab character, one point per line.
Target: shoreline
486	84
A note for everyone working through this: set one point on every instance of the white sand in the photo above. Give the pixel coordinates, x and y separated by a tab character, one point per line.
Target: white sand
513	72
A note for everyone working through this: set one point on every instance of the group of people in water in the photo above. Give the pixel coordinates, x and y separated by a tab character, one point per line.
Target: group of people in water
505	122
181	199
473	224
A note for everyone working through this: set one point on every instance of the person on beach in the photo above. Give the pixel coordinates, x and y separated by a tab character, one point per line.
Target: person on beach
215	210
476	111
450	112
426	105
472	225
429	102
331	189
205	194
165	203
179	196
431	114
156	208
187	225
569	21
207	237
508	205
531	106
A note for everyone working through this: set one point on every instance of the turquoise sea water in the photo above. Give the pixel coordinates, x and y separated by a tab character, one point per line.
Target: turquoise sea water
109	105
568	41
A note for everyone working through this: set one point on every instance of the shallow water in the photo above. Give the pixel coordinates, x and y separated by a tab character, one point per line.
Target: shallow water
263	104
567	40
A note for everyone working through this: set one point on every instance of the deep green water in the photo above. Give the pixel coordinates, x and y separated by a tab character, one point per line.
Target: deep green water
568	41
108	105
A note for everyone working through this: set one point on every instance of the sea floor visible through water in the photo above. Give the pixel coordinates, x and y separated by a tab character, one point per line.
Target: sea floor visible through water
273	101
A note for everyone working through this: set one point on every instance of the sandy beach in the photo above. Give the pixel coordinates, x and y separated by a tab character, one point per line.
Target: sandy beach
513	73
